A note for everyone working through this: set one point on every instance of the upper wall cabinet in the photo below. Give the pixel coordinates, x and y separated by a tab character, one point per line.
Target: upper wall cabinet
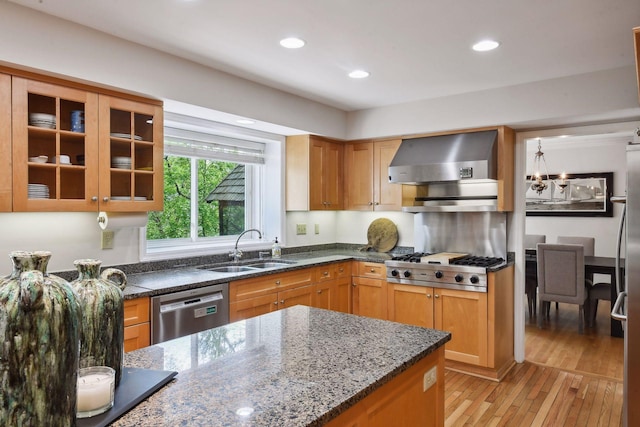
313	173
5	143
77	150
367	185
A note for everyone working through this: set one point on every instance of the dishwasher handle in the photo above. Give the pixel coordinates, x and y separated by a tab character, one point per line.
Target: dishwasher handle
192	302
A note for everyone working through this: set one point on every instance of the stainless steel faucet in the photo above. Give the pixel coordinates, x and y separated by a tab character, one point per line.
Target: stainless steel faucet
236	253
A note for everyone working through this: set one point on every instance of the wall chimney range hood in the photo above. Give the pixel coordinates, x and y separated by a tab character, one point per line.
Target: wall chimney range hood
443	158
455	172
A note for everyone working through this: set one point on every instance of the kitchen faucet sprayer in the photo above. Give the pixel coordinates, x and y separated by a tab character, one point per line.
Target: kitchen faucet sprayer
236	253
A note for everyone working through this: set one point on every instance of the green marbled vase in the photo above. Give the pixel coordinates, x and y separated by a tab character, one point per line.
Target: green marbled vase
102	323
39	345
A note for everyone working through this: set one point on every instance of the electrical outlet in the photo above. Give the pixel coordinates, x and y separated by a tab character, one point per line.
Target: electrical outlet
301	228
430	378
317	229
106	239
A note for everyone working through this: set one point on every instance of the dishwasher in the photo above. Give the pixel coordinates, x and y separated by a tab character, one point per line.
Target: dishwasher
183	313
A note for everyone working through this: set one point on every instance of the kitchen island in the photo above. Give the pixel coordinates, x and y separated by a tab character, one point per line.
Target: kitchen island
298	366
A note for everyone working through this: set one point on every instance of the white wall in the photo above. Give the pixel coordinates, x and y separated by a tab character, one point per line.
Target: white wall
344	227
594	154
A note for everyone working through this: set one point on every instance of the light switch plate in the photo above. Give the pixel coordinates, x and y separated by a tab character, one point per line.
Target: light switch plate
106	239
317	228
301	228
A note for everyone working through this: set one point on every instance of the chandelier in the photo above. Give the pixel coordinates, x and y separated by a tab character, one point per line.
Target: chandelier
538	184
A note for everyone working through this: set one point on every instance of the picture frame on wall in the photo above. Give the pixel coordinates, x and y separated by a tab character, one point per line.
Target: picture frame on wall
585	194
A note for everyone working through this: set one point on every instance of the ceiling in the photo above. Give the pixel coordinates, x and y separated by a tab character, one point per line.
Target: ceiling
414	49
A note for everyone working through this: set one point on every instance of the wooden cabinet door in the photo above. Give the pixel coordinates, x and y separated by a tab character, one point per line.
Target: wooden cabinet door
251	307
358	171
386	196
323	294
464	314
302	295
53	185
412	305
137	336
343	295
370	297
332	174
130	130
5	143
325	175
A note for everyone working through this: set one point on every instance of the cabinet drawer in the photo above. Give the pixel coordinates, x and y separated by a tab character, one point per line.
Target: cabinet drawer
325	272
137	336
371	269
257	286
343	269
136	311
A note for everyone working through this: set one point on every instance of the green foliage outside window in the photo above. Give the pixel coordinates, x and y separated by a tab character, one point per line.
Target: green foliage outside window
174	221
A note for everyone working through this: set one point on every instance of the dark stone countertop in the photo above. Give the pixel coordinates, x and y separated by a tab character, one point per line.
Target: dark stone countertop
298	366
181	278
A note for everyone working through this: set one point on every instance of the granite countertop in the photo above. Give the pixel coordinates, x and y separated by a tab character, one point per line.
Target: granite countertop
298	366
180	278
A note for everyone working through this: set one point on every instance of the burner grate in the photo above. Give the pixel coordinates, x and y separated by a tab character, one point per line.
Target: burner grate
478	261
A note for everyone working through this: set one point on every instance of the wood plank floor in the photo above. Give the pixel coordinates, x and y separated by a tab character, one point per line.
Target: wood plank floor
567	379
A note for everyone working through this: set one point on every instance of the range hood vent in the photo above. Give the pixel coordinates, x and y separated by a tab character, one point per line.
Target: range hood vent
445	158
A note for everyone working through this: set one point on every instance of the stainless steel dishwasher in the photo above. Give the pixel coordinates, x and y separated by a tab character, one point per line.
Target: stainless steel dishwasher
183	313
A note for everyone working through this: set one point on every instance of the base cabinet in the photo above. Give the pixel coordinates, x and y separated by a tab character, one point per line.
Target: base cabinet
137	328
369	290
403	401
333	288
481	324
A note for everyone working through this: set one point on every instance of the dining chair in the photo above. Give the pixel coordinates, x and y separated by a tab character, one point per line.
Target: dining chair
561	278
597	291
531	275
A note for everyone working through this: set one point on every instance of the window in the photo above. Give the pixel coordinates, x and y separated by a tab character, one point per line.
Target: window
213	188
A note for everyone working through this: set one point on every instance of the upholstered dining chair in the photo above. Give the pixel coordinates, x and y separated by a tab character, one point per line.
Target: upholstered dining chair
531	275
561	278
597	291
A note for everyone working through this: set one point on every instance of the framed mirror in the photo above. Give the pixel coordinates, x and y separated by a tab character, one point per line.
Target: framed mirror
584	194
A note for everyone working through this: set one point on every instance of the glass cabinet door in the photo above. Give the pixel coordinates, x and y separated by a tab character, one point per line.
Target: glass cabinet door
130	155
55	147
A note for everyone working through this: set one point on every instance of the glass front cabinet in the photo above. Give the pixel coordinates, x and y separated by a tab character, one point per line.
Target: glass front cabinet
76	150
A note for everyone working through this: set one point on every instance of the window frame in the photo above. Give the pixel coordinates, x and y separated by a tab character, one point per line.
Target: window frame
262	211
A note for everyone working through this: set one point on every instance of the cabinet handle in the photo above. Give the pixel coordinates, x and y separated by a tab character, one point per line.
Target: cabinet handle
320	291
94	199
325	273
275	303
354	285
277	282
341	270
428	295
105	199
282	301
370	203
377	203
372	270
437	296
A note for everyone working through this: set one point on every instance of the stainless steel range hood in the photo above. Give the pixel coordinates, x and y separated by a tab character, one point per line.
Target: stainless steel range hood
463	156
457	173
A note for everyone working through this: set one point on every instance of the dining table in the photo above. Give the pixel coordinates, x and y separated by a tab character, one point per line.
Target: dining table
592	265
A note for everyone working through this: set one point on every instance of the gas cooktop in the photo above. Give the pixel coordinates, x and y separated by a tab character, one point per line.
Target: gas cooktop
469	260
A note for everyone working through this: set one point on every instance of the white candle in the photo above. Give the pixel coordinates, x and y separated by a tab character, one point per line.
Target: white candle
95	390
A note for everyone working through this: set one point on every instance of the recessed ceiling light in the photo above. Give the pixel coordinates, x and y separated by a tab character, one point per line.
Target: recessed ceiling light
245	121
358	74
292	43
485	45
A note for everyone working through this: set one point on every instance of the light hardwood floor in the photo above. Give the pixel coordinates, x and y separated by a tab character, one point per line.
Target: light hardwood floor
567	379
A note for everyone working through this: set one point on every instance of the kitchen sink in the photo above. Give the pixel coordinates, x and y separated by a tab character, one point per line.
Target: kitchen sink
232	268
270	264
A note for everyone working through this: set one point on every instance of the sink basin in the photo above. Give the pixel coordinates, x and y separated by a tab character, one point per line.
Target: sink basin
232	269
271	264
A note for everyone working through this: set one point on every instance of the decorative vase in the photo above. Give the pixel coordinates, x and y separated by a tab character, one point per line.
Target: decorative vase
102	323
39	345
